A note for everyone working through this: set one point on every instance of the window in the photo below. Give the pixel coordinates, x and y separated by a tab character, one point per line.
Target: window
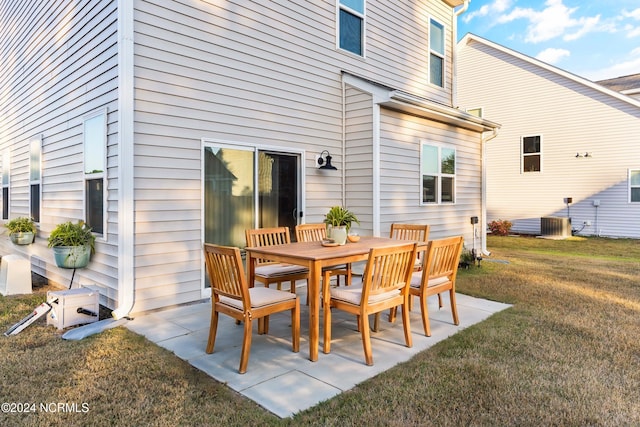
438	174
95	138
6	168
634	185
475	112
531	153
35	155
436	53
351	26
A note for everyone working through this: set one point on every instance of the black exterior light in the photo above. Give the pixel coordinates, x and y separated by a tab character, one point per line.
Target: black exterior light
325	163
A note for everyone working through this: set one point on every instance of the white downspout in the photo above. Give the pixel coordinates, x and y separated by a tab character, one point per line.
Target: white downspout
126	277
483	222
454	26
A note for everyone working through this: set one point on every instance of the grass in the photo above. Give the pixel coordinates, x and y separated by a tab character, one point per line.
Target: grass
566	353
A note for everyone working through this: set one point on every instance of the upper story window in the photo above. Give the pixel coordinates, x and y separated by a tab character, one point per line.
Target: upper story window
634	185
438	174
351	23
436	53
95	146
476	112
35	172
6	169
532	153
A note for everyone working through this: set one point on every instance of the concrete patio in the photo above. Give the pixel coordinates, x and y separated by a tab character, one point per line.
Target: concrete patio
284	382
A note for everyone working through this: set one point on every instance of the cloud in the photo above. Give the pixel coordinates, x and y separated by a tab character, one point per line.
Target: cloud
555	20
634	14
553	55
625	68
497	6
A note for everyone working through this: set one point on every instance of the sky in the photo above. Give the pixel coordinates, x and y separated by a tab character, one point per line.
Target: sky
597	39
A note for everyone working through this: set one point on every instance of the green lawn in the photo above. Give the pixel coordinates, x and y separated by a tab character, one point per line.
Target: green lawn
566	353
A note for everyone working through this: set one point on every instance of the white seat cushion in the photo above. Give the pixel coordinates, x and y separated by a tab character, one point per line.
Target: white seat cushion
353	294
260	297
416	279
279	270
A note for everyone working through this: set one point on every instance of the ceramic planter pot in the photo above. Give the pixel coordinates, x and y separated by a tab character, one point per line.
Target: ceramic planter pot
339	234
22	238
72	256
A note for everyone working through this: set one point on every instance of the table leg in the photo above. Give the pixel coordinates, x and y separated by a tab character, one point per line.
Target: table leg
315	271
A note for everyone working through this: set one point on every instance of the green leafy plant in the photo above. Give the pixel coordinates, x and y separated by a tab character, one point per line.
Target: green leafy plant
339	216
72	234
500	227
21	224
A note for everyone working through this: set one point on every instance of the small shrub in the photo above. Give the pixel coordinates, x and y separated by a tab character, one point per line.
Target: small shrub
500	227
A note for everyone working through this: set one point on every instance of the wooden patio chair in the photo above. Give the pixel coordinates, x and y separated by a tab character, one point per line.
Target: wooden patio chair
268	272
414	232
317	233
231	295
437	276
384	285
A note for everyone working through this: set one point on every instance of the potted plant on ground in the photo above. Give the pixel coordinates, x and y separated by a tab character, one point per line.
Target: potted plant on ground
340	219
22	230
72	244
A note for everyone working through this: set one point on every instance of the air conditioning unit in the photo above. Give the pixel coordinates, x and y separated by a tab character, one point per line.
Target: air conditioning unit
555	226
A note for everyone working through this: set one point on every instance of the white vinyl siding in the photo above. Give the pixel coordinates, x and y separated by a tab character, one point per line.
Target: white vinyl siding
60	62
573	117
359	168
400	191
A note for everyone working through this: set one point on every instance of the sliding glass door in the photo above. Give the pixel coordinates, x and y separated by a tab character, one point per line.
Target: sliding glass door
246	187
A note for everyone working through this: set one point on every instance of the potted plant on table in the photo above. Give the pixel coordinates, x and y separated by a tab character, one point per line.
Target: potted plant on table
340	219
72	244
22	230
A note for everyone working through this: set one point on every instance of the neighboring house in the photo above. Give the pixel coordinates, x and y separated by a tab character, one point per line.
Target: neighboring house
626	85
166	124
562	137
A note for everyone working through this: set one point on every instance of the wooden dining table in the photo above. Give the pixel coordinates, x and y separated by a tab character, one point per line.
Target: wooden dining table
315	256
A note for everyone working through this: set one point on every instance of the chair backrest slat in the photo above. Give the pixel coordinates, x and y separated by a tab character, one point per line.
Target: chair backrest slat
388	269
226	273
311	232
271	236
415	232
443	256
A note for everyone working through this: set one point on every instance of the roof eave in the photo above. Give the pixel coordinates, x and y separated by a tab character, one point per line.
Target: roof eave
407	103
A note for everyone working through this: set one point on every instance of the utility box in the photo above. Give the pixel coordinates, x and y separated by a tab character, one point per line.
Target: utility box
555	226
15	275
72	307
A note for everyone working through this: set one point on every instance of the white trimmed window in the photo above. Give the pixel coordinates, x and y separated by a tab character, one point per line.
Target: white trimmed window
436	53
6	173
475	112
351	25
634	185
531	153
438	174
35	173
95	146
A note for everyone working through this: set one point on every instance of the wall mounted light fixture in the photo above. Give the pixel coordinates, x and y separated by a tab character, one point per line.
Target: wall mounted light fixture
325	162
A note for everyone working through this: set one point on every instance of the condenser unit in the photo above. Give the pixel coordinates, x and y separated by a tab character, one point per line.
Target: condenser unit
555	226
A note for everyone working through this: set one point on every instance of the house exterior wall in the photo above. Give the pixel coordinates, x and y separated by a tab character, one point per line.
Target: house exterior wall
573	117
263	72
59	63
400	190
